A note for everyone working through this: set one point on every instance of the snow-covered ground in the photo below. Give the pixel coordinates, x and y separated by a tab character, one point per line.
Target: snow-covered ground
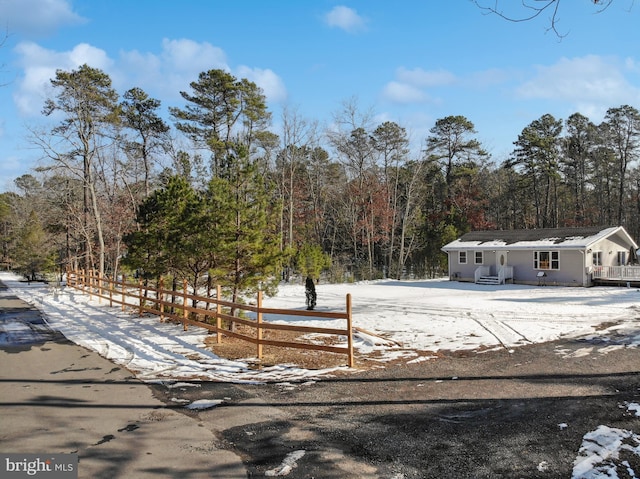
433	315
408	320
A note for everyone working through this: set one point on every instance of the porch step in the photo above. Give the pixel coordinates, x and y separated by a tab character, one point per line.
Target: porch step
488	280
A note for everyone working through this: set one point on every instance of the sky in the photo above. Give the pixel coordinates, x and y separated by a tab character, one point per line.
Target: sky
417	318
411	62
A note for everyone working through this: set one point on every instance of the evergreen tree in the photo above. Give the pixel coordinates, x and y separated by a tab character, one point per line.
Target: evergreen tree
311	260
623	134
6	229
222	112
242	221
139	113
164	243
537	152
450	144
579	146
32	252
88	106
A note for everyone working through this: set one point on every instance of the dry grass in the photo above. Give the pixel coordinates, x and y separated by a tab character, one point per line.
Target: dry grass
233	348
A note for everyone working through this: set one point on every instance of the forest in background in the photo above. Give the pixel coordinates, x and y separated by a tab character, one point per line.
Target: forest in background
215	195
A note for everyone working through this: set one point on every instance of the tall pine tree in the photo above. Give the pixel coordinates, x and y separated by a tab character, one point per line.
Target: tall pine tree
243	221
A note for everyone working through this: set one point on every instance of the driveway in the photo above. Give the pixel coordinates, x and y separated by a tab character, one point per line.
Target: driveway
491	415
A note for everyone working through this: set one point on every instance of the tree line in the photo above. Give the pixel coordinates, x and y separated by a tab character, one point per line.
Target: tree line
216	196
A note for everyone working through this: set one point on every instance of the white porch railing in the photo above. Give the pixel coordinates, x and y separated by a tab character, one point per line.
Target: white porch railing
505	273
481	271
624	273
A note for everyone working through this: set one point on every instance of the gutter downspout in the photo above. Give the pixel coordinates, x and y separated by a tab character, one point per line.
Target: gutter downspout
584	269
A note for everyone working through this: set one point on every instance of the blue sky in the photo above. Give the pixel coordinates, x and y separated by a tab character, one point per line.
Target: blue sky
409	61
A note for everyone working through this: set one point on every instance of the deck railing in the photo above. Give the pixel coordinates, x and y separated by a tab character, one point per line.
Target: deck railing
622	273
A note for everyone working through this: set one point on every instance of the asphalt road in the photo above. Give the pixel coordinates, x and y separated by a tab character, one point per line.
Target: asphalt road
57	397
491	415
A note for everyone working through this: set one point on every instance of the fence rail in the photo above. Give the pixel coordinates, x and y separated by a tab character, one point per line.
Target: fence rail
184	307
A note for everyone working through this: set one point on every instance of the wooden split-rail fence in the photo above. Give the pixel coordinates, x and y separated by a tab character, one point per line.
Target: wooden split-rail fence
212	312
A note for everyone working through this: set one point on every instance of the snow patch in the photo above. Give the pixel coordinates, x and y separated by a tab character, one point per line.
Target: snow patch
204	404
633	407
600	453
288	464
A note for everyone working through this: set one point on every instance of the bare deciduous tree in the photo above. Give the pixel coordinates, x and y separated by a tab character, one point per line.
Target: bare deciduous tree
531	9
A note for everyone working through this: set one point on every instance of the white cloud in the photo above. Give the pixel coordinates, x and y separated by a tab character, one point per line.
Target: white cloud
592	83
271	84
40	65
187	55
180	63
143	68
166	74
346	19
487	78
398	92
37	17
85	53
632	65
425	79
161	75
410	86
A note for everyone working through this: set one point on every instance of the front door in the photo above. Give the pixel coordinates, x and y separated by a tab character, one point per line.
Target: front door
501	260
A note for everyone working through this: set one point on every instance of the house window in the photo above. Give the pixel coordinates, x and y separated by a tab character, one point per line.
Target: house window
462	257
546	260
622	258
479	257
597	258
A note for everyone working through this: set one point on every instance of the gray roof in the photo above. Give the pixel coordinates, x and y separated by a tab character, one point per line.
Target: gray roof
559	235
556	238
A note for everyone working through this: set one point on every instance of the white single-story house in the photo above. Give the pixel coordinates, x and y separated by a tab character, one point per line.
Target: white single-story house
546	256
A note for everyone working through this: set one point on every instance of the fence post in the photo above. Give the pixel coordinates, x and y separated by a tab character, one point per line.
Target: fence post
99	287
161	298
184	306
218	313
349	331
122	289
111	291
89	277
140	306
259	325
